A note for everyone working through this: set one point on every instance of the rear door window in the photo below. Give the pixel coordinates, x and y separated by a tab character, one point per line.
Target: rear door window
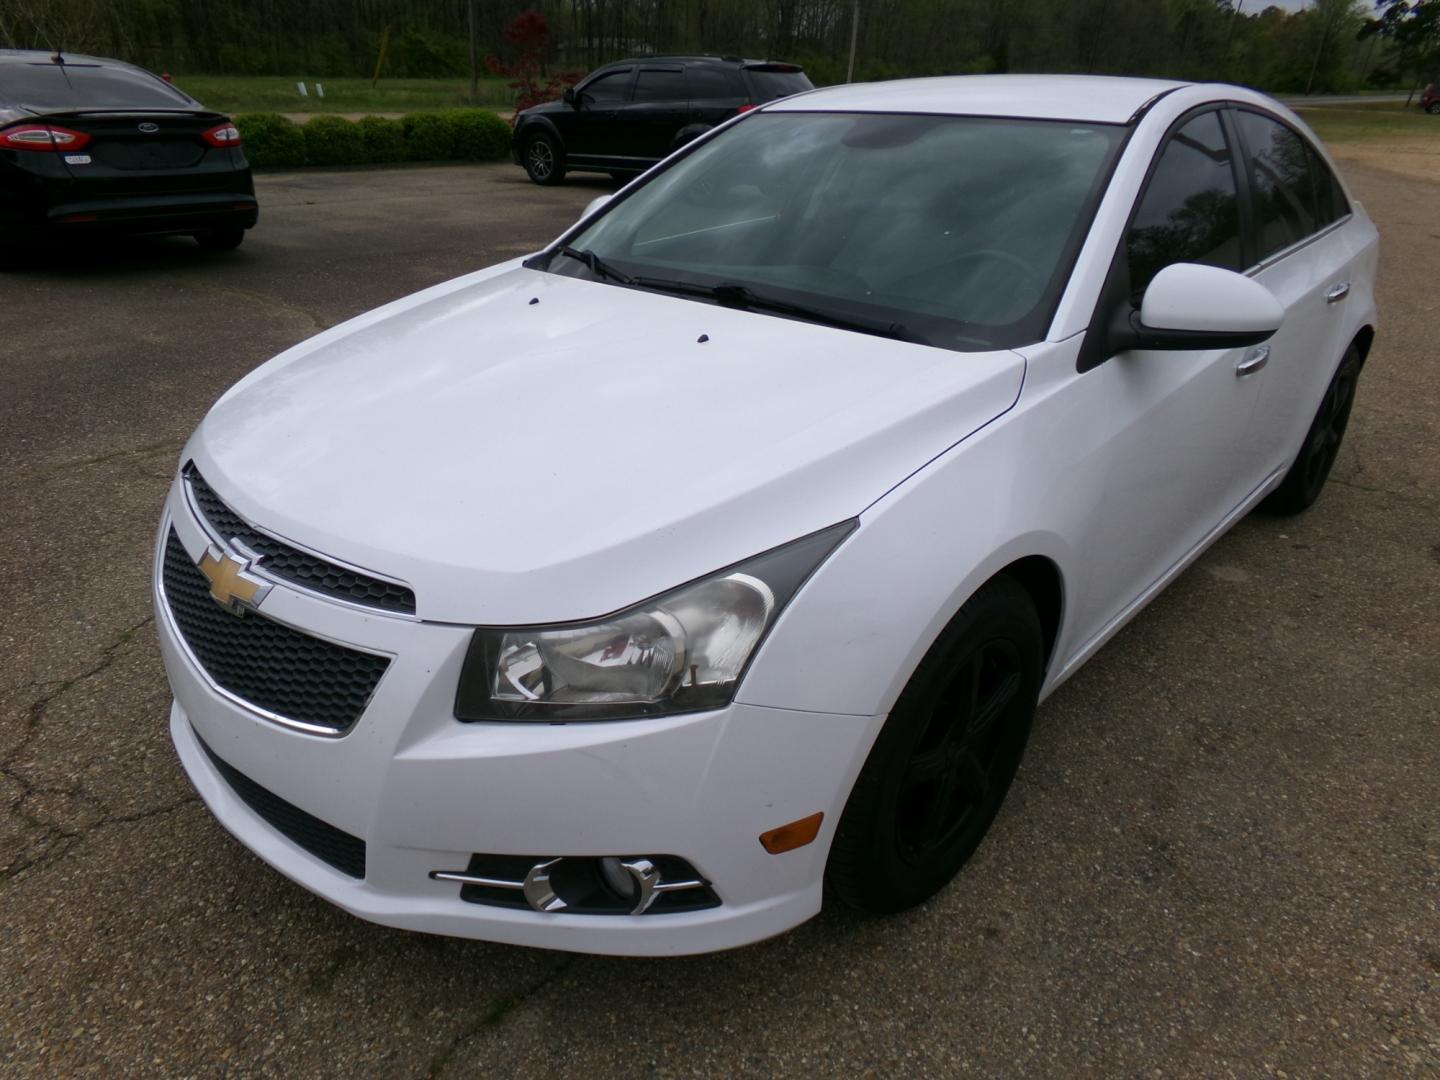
660	84
1291	202
714	82
50	86
1190	209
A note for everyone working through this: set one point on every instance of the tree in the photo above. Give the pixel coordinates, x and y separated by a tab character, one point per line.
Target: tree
1414	27
529	34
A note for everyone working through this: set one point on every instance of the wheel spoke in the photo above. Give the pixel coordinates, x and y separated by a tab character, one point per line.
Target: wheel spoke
926	768
995	704
973	777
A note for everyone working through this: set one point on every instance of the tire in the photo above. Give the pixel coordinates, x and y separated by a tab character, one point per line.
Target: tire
1306	479
1433	108
220	239
544	160
937	775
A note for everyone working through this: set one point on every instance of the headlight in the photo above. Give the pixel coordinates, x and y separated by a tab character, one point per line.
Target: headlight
679	652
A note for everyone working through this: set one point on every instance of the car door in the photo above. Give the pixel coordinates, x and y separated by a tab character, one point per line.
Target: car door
598	102
658	108
1171	424
1307	259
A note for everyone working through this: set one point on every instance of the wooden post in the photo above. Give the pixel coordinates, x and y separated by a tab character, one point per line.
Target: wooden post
474	58
854	33
380	60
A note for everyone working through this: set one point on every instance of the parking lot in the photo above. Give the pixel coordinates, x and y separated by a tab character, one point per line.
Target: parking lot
1221	857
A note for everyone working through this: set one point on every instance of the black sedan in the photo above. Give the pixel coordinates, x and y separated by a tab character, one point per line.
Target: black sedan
89	144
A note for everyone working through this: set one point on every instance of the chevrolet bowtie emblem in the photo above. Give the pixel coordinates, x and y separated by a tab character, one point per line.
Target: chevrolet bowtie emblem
230	586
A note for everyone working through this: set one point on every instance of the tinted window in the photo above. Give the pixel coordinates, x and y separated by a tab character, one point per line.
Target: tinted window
1330	203
660	84
612	86
769	85
1285	195
959	229
67	86
714	82
1190	211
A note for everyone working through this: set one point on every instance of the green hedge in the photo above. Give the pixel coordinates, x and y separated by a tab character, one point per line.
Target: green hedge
271	140
274	141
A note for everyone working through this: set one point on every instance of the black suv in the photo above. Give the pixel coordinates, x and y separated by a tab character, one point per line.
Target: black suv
624	117
90	144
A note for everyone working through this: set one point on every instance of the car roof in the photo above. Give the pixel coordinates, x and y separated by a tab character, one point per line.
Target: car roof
729	61
41	56
1095	98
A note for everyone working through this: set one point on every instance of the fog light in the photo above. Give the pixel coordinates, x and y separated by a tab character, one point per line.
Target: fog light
618	879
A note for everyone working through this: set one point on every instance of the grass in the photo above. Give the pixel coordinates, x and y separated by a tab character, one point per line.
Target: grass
1371	120
277	93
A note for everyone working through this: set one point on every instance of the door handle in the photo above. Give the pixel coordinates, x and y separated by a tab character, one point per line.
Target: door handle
1257	359
1337	293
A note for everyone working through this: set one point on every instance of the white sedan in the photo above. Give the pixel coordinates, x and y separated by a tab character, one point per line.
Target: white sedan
626	598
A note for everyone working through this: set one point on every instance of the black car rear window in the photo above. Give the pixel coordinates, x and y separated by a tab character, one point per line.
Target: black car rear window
769	85
46	85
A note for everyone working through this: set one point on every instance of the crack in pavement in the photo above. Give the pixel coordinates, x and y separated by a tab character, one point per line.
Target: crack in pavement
170	445
502	1007
56	840
60	842
263	299
1401	495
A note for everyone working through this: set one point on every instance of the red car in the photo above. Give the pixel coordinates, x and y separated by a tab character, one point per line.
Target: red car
1430	99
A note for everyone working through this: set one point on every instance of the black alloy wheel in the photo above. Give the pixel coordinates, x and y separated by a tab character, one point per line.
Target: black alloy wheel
1305	480
945	759
544	161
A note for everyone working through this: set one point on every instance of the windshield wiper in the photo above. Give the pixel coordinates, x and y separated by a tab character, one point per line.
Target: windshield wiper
733	295
598	266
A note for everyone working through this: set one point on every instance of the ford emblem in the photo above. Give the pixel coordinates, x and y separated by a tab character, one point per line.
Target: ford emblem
149	128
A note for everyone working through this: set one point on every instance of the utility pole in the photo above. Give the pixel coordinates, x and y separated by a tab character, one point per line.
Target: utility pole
1324	39
474	59
854	33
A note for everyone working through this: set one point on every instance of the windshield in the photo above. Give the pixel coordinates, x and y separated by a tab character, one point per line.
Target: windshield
960	230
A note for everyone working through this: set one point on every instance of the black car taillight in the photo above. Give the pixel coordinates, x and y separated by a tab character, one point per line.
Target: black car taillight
42	137
226	134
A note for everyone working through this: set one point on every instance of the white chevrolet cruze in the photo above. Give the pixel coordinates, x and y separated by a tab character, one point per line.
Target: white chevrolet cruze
626	598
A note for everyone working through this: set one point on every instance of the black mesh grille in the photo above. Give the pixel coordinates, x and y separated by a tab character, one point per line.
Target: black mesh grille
279	669
307	571
338	848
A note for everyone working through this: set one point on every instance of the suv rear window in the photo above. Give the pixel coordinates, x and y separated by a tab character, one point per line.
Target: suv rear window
767	85
46	85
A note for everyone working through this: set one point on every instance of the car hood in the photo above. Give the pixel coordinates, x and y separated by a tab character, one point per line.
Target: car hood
522	447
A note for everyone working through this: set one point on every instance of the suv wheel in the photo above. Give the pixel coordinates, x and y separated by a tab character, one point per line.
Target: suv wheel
544	160
1433	108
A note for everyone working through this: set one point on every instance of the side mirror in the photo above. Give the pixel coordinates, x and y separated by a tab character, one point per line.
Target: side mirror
1188	306
570	98
594	205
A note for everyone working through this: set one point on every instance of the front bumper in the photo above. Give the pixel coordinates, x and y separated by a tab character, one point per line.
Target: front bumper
425	792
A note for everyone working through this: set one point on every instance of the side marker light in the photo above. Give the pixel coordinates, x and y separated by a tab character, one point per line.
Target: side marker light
794	835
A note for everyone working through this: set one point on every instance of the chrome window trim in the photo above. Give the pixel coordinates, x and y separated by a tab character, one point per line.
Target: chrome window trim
259	570
168	617
1286	252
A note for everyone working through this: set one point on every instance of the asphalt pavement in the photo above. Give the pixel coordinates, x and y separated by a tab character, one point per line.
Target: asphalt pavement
1221	857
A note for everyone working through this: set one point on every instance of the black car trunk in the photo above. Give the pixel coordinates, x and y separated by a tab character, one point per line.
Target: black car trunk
130	151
